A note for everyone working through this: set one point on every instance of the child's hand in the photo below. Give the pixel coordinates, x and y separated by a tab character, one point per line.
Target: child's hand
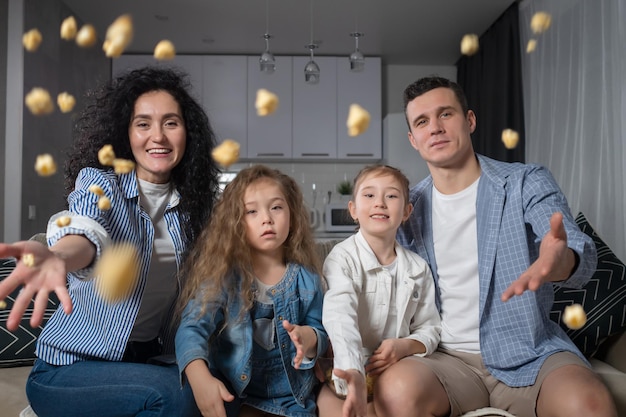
391	351
208	391
304	339
355	404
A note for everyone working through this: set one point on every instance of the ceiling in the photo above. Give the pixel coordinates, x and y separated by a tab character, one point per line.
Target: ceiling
402	32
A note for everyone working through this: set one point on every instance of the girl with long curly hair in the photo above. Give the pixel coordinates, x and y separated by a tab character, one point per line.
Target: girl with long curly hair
251	327
95	355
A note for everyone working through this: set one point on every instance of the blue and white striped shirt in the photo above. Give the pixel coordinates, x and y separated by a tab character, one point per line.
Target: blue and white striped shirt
96	329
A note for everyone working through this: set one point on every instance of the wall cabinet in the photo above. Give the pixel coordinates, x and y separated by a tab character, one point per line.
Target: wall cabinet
225	97
315	110
363	88
310	122
269	137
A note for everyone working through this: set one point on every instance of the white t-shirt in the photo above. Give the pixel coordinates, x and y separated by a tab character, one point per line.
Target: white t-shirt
160	290
456	251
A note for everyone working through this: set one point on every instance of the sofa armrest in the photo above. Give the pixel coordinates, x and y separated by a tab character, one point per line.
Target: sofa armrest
616	354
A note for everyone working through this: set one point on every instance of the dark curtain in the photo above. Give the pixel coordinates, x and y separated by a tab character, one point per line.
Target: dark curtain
492	80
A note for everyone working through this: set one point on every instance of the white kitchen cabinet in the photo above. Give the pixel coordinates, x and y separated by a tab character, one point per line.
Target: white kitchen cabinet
363	88
315	110
269	137
190	64
225	97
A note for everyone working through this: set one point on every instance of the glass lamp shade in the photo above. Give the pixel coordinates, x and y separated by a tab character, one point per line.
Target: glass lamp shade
311	72
357	61
267	62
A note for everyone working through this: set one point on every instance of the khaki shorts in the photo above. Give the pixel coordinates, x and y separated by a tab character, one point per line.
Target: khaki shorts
470	386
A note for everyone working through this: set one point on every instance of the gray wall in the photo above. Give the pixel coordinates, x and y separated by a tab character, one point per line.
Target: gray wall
58	66
3	93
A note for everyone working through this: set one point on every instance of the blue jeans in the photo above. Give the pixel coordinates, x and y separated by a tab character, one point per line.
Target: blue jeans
108	389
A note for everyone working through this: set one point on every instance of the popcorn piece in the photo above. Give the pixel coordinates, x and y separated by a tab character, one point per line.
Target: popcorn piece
104	203
117	271
123	166
3	304
118	36
69	28
31	40
86	36
164	50
227	153
266	102
39	102
28	259
63	221
45	165
510	138
66	102
531	45
96	189
540	22
574	316
469	44
106	155
358	120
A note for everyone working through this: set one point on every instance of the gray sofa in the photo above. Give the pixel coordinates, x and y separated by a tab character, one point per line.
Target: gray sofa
603	339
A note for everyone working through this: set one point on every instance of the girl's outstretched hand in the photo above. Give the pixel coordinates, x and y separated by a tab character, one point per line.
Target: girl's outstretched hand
304	339
39	271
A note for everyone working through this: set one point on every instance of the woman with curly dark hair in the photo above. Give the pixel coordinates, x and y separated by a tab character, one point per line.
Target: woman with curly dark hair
101	355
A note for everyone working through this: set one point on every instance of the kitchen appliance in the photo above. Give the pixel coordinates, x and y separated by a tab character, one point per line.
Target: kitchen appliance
337	218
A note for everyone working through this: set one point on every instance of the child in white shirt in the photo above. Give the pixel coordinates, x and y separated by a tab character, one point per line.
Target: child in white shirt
379	310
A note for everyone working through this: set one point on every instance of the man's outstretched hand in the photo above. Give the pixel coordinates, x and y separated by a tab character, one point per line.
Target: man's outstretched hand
555	262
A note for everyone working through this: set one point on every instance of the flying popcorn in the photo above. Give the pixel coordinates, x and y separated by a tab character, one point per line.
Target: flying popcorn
266	102
3	304
39	102
86	36
358	120
63	221
96	189
123	166
106	155
104	203
531	45
45	165
116	272
540	22
164	50
69	28
227	153
469	44
66	102
510	138
28	259
574	316
31	40
118	36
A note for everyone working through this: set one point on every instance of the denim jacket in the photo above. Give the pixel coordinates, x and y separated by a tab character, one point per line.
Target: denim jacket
297	298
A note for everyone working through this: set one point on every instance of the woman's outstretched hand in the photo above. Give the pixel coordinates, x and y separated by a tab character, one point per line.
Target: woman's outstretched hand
39	271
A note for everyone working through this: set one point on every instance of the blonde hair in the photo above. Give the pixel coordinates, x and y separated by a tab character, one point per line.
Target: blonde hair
380	170
222	250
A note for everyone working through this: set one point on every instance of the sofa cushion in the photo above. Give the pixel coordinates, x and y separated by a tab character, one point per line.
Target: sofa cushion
603	298
17	348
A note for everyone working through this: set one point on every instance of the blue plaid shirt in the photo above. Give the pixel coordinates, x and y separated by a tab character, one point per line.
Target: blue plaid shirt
513	209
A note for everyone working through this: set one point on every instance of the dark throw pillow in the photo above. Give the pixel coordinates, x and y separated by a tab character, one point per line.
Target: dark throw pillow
603	298
17	348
